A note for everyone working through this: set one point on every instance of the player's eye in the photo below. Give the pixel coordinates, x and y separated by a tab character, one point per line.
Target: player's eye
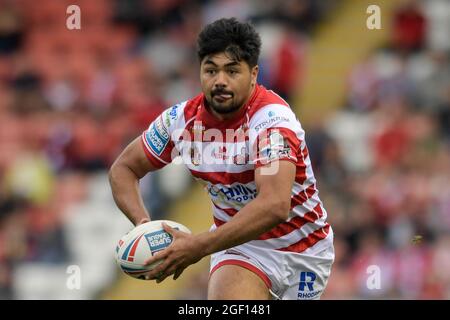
232	72
211	71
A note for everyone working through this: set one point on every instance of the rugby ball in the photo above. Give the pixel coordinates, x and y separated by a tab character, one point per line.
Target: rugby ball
142	242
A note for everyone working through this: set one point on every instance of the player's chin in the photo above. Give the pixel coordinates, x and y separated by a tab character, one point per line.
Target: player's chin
223	107
225	111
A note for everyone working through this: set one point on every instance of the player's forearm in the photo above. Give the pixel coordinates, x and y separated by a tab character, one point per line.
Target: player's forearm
257	217
126	193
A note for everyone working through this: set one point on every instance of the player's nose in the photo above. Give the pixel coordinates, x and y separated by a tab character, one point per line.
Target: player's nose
221	80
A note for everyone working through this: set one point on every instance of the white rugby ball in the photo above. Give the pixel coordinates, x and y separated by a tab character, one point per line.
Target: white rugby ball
141	243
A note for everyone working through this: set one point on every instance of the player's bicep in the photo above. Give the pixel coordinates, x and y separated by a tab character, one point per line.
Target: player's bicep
134	157
274	182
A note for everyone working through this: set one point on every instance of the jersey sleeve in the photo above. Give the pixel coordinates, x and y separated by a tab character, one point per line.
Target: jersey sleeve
275	134
157	139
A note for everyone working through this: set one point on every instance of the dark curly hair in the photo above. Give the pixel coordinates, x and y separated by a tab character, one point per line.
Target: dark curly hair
237	39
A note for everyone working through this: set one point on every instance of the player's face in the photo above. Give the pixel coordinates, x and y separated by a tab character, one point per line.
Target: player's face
226	83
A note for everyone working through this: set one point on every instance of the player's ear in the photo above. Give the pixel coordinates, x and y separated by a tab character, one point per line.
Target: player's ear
254	72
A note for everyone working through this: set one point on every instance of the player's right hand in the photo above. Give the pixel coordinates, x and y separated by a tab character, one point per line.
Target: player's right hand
142	221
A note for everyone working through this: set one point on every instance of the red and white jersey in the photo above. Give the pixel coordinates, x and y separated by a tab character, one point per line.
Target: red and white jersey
223	155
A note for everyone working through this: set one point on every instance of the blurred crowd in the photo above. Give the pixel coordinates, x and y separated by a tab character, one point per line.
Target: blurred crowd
383	163
70	100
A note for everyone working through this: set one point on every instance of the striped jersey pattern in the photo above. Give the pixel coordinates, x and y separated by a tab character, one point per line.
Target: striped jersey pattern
223	155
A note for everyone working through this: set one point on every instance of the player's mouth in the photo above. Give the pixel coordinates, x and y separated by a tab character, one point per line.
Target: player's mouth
222	96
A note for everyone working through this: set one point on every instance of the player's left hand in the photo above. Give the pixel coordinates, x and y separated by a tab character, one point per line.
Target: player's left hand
182	252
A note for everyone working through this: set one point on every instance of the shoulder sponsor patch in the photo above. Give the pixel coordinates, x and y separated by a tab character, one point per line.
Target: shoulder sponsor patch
276	140
157	136
274	147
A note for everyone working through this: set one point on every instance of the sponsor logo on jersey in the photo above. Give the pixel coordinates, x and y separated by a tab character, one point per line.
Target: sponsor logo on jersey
272	120
307	295
306	286
171	114
274	147
157	137
161	129
237	193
